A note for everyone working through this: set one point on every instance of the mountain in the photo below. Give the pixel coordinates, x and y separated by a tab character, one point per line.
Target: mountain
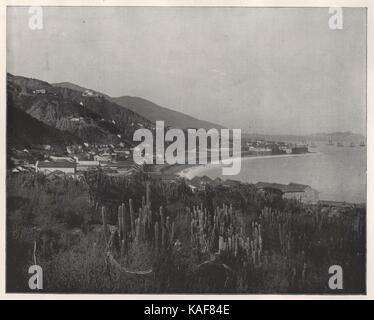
155	112
340	136
149	110
71	86
345	136
24	131
89	117
65	113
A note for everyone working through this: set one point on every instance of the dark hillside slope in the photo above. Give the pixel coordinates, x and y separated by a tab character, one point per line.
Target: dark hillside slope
92	118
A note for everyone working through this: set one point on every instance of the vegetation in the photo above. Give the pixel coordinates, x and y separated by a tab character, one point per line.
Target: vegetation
130	235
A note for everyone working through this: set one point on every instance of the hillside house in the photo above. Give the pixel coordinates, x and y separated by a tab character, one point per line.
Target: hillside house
301	192
230	183
39	91
63	166
274	188
201	182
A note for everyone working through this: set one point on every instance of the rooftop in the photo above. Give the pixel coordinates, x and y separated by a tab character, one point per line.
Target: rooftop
284	188
58	164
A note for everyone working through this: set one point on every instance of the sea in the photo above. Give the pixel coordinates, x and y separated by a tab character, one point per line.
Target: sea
337	173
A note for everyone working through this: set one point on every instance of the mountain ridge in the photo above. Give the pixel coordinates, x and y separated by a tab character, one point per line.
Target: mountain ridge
336	136
149	109
92	119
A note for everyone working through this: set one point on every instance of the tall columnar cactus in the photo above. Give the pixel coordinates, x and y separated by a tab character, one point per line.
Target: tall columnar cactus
163	236
137	230
120	223
157	236
105	226
172	233
148	194
162	218
223	232
123	248
124	222
132	219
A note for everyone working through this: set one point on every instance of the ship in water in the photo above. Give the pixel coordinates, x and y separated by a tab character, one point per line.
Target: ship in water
362	143
340	144
330	143
352	145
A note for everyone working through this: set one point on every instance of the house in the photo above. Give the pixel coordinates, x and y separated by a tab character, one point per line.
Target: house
63	166
192	187
87	165
259	151
201	182
89	93
122	154
216	182
274	188
103	157
121	166
229	183
300	149
39	91
301	192
63	159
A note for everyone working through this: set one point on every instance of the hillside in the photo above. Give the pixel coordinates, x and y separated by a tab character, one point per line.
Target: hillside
71	86
91	118
149	110
24	131
155	112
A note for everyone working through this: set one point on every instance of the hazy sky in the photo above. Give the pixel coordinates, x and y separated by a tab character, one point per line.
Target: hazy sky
276	70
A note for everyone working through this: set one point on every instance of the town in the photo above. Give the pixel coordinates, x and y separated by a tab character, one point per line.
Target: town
118	159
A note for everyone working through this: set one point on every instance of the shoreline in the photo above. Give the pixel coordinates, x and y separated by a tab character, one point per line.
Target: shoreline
189	171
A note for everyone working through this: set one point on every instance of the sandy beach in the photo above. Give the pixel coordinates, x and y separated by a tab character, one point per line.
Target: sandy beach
190	171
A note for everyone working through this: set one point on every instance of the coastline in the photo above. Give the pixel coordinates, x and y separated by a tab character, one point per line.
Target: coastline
189	171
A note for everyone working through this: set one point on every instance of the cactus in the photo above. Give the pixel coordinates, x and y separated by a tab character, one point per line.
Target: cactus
137	230
172	232
132	219
163	236
162	218
148	194
120	222
105	227
123	249
124	222
157	236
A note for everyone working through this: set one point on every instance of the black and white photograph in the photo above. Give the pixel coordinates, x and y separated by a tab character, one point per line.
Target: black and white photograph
186	150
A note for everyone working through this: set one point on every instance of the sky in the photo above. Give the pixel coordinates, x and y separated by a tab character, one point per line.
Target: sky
265	70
